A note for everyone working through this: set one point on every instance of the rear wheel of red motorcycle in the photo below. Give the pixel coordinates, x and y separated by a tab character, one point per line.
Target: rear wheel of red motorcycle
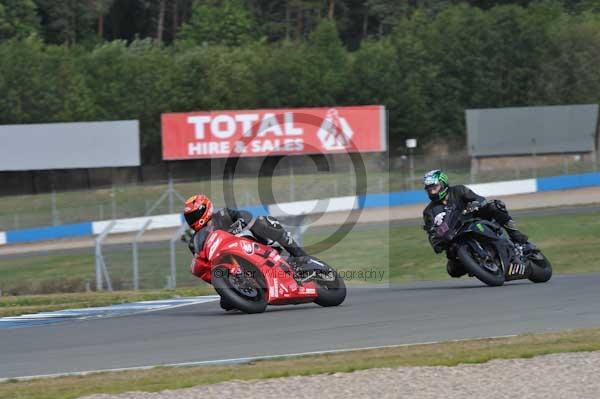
331	293
248	297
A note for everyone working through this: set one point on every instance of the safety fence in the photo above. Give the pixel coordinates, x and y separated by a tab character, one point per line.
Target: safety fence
289	182
387	199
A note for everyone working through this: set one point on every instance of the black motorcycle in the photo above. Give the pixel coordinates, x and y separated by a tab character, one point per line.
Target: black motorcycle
485	251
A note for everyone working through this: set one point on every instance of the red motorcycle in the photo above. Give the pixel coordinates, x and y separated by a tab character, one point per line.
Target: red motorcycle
249	275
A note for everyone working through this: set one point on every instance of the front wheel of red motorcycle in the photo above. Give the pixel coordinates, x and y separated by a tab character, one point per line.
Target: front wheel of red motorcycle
240	291
330	293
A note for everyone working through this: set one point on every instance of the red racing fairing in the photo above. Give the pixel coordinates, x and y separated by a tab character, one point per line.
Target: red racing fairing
223	249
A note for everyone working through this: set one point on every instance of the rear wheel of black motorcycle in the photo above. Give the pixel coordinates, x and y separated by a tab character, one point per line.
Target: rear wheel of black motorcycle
331	293
250	300
541	268
473	267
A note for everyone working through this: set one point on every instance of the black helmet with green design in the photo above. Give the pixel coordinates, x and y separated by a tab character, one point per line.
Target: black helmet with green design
436	185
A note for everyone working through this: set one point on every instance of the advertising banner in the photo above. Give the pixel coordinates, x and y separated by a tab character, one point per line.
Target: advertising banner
252	133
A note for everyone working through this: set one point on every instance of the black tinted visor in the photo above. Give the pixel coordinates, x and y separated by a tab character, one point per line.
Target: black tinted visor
193	217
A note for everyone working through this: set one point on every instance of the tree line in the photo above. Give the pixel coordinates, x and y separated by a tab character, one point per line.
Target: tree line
425	60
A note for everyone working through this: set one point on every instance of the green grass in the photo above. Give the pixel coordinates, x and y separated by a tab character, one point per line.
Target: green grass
442	354
570	241
73	272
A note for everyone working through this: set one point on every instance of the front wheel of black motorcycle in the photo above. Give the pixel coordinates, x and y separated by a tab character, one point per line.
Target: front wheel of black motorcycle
331	290
493	278
541	268
240	292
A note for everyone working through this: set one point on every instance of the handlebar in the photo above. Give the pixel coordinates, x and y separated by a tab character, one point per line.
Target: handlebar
472	207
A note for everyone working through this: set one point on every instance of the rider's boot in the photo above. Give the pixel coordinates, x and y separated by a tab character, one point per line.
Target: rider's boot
298	256
290	245
515	235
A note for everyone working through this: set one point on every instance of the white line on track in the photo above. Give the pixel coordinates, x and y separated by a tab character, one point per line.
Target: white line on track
242	360
128	309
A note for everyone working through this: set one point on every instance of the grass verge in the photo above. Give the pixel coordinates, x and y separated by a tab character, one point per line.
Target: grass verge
16	305
441	354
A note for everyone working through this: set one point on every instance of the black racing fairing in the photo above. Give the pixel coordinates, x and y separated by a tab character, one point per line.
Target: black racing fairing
484	245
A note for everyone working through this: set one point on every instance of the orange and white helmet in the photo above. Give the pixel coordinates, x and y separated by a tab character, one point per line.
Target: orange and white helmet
198	211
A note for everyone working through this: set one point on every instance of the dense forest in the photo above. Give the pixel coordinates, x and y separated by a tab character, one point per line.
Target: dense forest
425	60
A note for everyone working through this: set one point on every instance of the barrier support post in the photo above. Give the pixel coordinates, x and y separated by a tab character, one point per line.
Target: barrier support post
100	264
134	245
174	239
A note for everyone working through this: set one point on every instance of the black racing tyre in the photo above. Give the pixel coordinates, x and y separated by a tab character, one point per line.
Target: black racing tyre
226	306
541	268
250	298
473	267
331	293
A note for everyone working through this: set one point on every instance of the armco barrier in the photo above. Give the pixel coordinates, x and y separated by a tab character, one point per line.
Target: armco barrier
257	210
49	233
567	182
135	224
307	207
512	187
395	199
93	228
313	206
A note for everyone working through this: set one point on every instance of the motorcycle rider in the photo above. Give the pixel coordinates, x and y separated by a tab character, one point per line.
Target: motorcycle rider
201	218
460	198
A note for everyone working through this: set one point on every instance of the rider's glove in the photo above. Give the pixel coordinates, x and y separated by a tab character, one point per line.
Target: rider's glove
472	207
237	226
186	236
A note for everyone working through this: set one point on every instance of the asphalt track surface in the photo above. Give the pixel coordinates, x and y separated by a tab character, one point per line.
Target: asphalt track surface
409	313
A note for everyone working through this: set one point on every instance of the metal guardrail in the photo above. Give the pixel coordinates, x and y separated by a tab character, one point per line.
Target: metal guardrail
137	200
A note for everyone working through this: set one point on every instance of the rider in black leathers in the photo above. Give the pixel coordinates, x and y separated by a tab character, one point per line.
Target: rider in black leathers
265	229
444	197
